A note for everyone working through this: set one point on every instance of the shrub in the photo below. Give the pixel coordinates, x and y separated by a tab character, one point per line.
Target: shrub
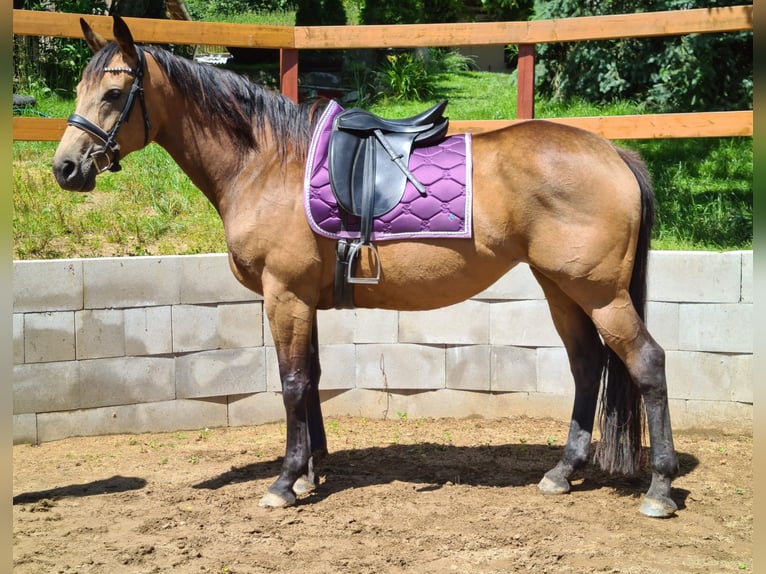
42	64
404	76
697	72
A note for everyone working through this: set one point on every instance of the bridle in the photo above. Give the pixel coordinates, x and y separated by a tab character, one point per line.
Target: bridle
100	156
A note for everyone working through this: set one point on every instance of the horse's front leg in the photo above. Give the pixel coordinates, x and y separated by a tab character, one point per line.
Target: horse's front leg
292	324
317	437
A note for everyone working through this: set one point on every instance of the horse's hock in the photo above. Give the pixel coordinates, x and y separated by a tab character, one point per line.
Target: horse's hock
167	343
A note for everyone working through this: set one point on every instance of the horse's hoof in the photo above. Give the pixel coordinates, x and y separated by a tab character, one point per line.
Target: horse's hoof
273	500
303	486
658	507
549	485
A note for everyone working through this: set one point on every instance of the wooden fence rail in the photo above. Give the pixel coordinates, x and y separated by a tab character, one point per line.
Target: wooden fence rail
289	40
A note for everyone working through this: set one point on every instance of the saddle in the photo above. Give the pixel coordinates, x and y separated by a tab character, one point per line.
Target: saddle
367	159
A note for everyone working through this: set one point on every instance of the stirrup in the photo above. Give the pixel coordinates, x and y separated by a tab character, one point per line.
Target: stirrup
353	254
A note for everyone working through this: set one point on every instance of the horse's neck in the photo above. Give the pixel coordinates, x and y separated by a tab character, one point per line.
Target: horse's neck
209	156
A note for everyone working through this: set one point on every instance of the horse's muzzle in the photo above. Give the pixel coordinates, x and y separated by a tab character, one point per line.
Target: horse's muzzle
74	175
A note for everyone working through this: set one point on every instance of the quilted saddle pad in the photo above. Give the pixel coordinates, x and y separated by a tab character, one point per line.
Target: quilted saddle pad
445	210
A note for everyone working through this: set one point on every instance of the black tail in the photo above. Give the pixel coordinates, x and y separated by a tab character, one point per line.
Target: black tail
621	416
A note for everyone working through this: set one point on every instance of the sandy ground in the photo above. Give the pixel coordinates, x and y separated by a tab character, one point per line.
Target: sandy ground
395	496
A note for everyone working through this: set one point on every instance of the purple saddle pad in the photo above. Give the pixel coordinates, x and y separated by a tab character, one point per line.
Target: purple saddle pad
444	170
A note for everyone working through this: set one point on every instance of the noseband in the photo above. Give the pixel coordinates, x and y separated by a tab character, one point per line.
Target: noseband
100	157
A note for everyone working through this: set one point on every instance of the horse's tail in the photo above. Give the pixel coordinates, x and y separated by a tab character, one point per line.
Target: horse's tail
621	415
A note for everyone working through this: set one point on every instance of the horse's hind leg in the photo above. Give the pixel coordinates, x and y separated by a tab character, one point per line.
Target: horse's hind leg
625	333
586	353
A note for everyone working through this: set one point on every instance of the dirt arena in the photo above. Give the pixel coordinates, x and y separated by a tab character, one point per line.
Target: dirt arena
403	495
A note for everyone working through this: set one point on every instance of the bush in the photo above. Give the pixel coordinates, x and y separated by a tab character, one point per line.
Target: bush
405	76
209	9
411	11
42	64
320	13
697	72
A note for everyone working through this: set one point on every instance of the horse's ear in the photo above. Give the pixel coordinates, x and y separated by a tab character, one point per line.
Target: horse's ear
93	39
124	40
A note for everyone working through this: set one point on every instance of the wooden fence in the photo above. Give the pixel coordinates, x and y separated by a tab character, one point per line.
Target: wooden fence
290	40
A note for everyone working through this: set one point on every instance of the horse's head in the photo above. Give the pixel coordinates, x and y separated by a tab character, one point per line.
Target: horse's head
111	117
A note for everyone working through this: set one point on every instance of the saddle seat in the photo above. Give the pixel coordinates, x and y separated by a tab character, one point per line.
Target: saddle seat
359	120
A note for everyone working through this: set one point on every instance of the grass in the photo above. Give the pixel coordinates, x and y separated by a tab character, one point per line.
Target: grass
703	186
149	208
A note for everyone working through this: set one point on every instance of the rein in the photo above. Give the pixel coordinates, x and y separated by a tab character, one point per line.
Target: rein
100	157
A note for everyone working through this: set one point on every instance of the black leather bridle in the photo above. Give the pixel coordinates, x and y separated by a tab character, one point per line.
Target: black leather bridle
101	157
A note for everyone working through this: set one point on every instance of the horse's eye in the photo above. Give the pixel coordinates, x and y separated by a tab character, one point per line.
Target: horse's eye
113	95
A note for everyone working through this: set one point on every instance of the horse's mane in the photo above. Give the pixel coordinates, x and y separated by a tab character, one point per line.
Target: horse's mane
244	109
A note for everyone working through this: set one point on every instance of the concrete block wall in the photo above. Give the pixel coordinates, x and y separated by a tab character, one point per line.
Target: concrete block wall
167	343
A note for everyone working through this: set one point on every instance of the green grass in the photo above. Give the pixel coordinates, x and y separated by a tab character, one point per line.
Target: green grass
148	208
703	186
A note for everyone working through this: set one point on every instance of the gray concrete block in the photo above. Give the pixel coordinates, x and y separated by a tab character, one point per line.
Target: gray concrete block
221	373
195	328
336	326
554	374
466	323
746	295
99	333
116	282
18	338
208	278
400	366
709	376
273	382
662	322
694	414
338	363
148	331
518	283
437	403
523	324
725	328
374	404
240	325
376	326
694	276
256	409
741	378
268	338
469	367
25	429
42	285
126	380
514	369
42	387
165	416
49	336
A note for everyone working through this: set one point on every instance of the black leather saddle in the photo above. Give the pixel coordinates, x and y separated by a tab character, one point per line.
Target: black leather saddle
368	159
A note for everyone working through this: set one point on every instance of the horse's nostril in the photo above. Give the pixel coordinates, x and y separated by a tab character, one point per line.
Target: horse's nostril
68	168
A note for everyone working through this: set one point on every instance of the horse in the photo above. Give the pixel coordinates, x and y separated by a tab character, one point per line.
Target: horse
573	206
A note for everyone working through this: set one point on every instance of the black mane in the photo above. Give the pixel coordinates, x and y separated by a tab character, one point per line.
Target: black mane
242	108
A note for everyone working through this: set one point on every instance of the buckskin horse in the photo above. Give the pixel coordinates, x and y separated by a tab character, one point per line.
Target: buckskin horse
569	203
